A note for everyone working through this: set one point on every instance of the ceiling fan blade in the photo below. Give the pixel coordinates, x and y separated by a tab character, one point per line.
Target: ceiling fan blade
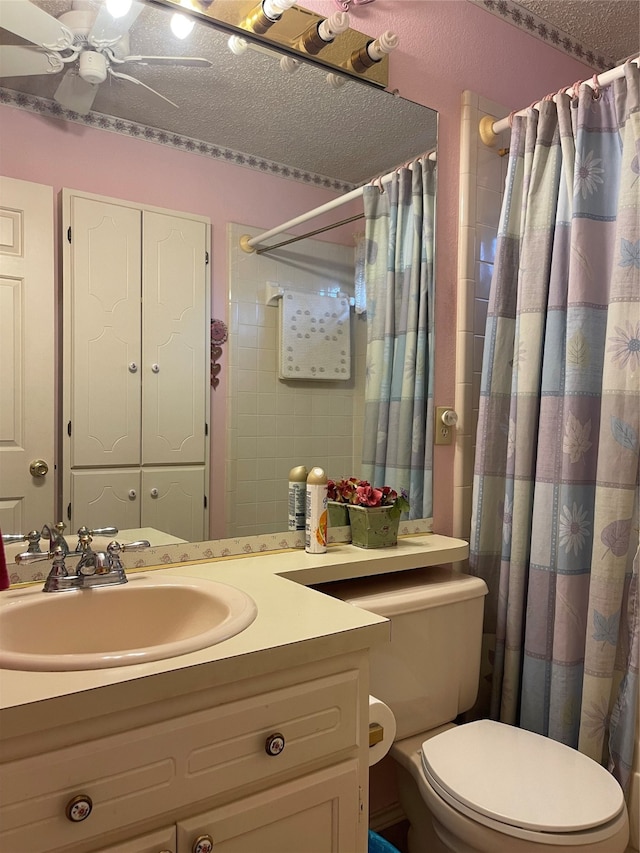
33	24
122	76
190	61
107	30
75	94
22	61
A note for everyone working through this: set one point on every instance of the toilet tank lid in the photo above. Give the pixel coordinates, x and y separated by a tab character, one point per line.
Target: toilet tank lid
521	779
408	591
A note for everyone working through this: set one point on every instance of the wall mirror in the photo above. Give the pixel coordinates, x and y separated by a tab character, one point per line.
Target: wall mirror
248	106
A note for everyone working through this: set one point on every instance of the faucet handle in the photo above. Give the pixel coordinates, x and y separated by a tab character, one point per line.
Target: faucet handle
139	545
58	569
98	531
32	537
104	531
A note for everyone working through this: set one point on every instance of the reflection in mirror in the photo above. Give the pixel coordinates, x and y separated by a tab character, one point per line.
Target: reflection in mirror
247	112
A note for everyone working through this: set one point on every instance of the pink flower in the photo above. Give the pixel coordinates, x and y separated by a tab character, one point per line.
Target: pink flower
368	496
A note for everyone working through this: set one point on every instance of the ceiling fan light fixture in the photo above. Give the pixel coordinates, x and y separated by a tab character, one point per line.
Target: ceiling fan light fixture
118	8
92	67
181	25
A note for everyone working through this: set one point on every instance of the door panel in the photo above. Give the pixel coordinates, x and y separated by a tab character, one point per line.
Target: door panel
174	340
173	501
105	355
102	498
315	814
27	366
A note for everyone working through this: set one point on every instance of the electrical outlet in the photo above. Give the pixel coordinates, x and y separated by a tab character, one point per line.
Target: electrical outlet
442	431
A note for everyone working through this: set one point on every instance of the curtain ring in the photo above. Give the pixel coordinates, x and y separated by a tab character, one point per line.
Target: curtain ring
596	88
511	117
378	181
576	89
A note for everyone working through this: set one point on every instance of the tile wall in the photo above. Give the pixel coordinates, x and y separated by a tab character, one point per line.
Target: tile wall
482	176
273	424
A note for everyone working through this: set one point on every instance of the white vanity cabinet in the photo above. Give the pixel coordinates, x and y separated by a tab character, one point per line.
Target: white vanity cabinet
281	769
135	374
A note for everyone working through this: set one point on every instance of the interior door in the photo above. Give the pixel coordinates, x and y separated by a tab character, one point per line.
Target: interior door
174	337
105	357
27	356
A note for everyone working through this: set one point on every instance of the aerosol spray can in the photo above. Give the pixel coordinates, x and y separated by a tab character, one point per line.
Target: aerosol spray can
297	498
315	540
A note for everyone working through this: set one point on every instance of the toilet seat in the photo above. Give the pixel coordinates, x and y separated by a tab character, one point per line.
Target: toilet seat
478	769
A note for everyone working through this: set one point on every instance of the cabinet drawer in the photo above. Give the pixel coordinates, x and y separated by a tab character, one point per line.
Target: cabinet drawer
157	769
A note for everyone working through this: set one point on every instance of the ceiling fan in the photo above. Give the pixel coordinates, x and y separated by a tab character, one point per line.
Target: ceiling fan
93	47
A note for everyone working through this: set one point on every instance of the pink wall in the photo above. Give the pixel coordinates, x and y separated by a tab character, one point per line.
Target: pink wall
446	46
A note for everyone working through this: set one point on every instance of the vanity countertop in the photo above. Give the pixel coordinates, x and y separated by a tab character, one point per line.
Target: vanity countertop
293	620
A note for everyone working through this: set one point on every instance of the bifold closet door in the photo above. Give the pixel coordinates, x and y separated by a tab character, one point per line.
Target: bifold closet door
105	275
174	336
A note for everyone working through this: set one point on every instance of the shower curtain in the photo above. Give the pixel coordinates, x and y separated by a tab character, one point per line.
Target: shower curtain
555	506
399	247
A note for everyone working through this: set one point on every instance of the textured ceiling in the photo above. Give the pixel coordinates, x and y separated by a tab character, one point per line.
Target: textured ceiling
609	27
248	104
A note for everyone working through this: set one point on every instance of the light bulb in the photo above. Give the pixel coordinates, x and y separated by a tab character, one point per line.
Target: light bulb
333	26
273	9
336	81
118	8
237	45
289	64
181	25
379	48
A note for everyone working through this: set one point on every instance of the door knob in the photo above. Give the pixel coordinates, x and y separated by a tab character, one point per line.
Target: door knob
39	468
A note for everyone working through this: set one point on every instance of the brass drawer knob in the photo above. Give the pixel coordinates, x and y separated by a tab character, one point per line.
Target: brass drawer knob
202	844
274	744
79	808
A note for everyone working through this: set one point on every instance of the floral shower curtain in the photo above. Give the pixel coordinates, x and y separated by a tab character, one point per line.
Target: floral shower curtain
555	507
399	242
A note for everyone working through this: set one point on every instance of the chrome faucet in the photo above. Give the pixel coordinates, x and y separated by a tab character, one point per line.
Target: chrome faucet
94	568
55	534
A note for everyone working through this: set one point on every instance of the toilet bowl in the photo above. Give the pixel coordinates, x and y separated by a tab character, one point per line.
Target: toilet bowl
481	787
486	787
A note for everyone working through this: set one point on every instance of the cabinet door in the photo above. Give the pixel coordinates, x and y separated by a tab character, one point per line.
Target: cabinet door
174	338
105	497
105	333
161	841
173	501
317	813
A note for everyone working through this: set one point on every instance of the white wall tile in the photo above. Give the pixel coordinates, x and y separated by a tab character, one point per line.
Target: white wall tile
482	174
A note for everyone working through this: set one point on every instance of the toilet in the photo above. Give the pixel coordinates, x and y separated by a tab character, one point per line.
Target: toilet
484	786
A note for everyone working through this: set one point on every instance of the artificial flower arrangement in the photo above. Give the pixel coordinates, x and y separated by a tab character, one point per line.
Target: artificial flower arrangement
356	492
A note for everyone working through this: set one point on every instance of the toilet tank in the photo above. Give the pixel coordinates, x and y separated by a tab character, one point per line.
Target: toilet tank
428	673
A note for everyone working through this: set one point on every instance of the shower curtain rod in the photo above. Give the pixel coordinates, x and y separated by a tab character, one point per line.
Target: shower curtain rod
249	244
490	128
304	236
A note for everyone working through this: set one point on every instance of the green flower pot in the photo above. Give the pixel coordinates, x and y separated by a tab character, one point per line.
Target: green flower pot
338	514
373	527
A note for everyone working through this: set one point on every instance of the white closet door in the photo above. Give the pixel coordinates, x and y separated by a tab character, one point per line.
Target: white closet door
105	357
173	501
174	336
105	498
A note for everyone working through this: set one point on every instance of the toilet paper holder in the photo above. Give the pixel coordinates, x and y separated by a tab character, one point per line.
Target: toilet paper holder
376	734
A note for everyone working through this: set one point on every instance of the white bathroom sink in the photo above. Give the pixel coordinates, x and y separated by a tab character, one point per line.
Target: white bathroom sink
149	618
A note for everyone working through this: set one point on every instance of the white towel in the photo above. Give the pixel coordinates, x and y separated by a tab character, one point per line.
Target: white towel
315	336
